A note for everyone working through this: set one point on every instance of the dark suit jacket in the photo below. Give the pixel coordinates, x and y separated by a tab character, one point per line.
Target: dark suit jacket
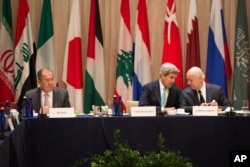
213	92
60	98
151	96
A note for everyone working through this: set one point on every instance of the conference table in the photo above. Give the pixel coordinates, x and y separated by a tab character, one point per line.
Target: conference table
205	140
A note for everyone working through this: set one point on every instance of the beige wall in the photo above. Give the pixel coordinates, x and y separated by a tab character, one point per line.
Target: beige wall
110	20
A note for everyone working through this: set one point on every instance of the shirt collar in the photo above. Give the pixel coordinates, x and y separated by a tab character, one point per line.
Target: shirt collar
203	88
50	93
161	85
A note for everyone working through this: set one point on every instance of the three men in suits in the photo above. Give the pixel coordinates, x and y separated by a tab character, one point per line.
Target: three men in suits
161	92
201	93
47	95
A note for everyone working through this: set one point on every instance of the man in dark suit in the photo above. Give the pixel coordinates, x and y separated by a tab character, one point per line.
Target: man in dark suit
200	93
161	92
47	95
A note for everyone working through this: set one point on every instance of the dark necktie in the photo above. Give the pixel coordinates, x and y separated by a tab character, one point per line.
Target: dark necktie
201	97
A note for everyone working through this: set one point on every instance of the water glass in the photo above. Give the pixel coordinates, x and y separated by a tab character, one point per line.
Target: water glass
245	106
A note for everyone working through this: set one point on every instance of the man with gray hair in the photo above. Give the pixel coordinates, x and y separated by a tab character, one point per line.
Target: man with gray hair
200	93
47	95
161	92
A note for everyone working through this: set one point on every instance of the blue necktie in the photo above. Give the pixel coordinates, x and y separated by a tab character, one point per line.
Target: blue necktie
163	97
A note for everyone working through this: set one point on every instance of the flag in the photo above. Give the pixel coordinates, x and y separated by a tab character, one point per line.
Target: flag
72	71
241	58
124	70
172	42
45	46
6	55
95	75
218	54
142	60
193	45
25	53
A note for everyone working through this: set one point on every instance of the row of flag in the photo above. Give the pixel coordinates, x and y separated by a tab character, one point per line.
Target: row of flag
20	59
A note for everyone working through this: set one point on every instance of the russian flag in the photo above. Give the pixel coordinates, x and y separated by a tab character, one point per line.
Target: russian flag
218	60
142	64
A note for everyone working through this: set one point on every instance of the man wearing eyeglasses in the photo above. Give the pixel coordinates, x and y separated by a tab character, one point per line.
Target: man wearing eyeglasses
200	93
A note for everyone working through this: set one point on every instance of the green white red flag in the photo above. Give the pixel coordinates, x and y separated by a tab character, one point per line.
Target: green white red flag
45	45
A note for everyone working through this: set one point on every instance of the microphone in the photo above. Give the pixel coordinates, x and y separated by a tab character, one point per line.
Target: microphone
231	110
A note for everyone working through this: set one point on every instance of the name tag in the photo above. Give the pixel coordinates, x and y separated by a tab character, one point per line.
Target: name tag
61	112
205	110
143	111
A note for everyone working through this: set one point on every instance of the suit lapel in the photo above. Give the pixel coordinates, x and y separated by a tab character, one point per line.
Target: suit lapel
168	99
36	100
55	99
196	99
157	91
208	95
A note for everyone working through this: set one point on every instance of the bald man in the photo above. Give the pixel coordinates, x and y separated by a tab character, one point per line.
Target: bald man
200	93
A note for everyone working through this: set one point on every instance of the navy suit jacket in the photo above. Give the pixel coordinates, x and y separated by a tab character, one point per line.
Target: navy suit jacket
151	96
60	98
213	92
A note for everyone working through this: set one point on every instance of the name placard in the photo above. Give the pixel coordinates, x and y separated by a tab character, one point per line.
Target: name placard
61	112
143	111
205	110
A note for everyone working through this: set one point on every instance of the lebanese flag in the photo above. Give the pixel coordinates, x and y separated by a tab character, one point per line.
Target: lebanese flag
193	45
45	46
218	59
142	60
124	70
172	42
25	54
6	55
95	75
72	71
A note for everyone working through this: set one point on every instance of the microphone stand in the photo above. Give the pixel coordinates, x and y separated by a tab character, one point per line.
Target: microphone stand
42	115
231	111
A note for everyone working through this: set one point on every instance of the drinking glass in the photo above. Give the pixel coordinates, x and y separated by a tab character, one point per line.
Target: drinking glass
110	104
97	110
245	106
110	107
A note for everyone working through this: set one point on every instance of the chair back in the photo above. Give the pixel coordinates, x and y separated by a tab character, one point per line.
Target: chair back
130	104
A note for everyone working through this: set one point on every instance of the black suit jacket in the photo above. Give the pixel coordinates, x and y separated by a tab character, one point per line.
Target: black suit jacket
60	98
151	96
213	92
